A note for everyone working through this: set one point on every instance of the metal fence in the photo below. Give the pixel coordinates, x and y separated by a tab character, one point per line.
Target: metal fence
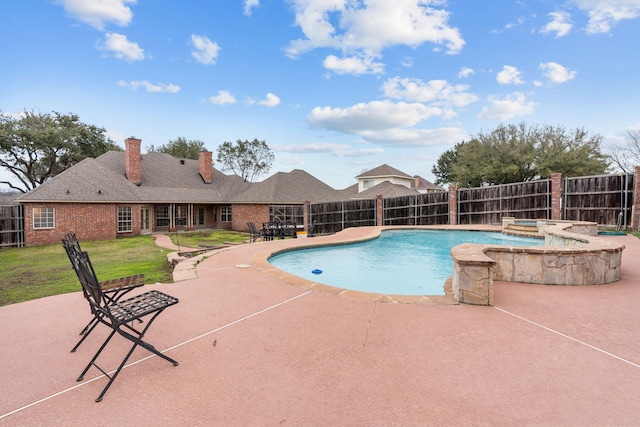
11	226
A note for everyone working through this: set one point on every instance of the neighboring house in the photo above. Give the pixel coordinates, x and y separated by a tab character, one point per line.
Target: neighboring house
390	182
127	194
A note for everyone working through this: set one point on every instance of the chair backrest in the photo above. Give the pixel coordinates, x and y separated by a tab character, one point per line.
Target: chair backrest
252	228
88	280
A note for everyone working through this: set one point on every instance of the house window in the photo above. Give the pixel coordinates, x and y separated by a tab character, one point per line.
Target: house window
200	216
44	218
162	216
367	183
125	223
225	213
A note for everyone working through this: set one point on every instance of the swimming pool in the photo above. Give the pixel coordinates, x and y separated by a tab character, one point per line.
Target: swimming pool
399	262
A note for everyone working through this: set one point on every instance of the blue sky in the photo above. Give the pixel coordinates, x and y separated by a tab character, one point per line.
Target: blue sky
334	87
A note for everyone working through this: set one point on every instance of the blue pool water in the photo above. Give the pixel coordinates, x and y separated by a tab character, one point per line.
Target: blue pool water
399	262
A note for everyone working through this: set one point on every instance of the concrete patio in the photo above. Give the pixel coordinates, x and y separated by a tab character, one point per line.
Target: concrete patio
256	350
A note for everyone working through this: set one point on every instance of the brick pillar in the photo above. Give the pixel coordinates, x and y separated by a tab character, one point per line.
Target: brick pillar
206	166
635	210
556	196
379	211
305	214
133	160
453	205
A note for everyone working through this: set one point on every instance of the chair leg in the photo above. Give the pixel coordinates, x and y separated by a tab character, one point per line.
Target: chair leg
137	341
85	333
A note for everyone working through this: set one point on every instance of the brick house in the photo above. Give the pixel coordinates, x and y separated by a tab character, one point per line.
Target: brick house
128	194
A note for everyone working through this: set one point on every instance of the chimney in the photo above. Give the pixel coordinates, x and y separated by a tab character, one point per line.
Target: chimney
416	182
206	166
133	160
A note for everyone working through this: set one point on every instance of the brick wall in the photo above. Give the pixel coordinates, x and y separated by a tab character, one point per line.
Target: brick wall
241	214
89	221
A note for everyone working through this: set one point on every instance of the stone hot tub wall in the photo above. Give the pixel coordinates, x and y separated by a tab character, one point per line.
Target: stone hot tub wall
572	255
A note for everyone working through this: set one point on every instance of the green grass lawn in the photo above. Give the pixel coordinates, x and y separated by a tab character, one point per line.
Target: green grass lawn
41	271
193	239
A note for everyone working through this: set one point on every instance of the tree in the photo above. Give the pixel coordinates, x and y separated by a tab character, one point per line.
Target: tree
180	148
35	147
627	157
516	153
246	159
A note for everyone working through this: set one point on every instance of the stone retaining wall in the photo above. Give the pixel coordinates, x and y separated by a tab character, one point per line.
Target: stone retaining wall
572	255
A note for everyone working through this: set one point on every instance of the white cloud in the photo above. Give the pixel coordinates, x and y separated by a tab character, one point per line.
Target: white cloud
509	75
363	29
604	14
353	65
560	24
270	101
122	48
98	13
336	150
513	105
372	116
385	123
150	87
204	50
465	72
418	137
223	97
438	92
249	5
556	73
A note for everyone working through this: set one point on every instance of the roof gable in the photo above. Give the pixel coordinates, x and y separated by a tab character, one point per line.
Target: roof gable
382	171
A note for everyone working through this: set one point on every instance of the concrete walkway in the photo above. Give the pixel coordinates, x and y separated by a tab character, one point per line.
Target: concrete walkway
257	351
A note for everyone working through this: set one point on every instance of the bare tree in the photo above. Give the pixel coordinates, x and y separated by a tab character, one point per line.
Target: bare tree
627	157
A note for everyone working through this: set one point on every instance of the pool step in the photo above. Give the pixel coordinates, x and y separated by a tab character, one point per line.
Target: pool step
521	230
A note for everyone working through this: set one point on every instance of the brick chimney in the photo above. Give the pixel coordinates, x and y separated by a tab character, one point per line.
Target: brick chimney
206	166
133	160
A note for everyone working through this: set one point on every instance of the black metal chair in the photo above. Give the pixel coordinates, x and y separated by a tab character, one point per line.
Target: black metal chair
119	315
255	234
113	289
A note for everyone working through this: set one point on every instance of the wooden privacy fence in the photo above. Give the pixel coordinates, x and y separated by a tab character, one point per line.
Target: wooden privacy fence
421	209
11	226
329	218
605	199
487	205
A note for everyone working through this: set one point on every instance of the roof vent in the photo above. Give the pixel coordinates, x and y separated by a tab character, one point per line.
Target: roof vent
182	161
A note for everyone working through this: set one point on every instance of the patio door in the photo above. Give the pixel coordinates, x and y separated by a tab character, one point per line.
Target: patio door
145	221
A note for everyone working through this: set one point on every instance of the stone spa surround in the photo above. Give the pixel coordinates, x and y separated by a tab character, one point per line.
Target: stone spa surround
572	255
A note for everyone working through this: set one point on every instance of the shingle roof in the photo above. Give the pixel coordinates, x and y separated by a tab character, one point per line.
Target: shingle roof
287	187
383	170
387	189
168	179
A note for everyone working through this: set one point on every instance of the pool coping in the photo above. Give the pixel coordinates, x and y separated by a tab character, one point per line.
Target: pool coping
357	235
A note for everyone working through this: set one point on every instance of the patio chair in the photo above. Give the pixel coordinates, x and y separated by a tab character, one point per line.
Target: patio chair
255	234
119	316
113	289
